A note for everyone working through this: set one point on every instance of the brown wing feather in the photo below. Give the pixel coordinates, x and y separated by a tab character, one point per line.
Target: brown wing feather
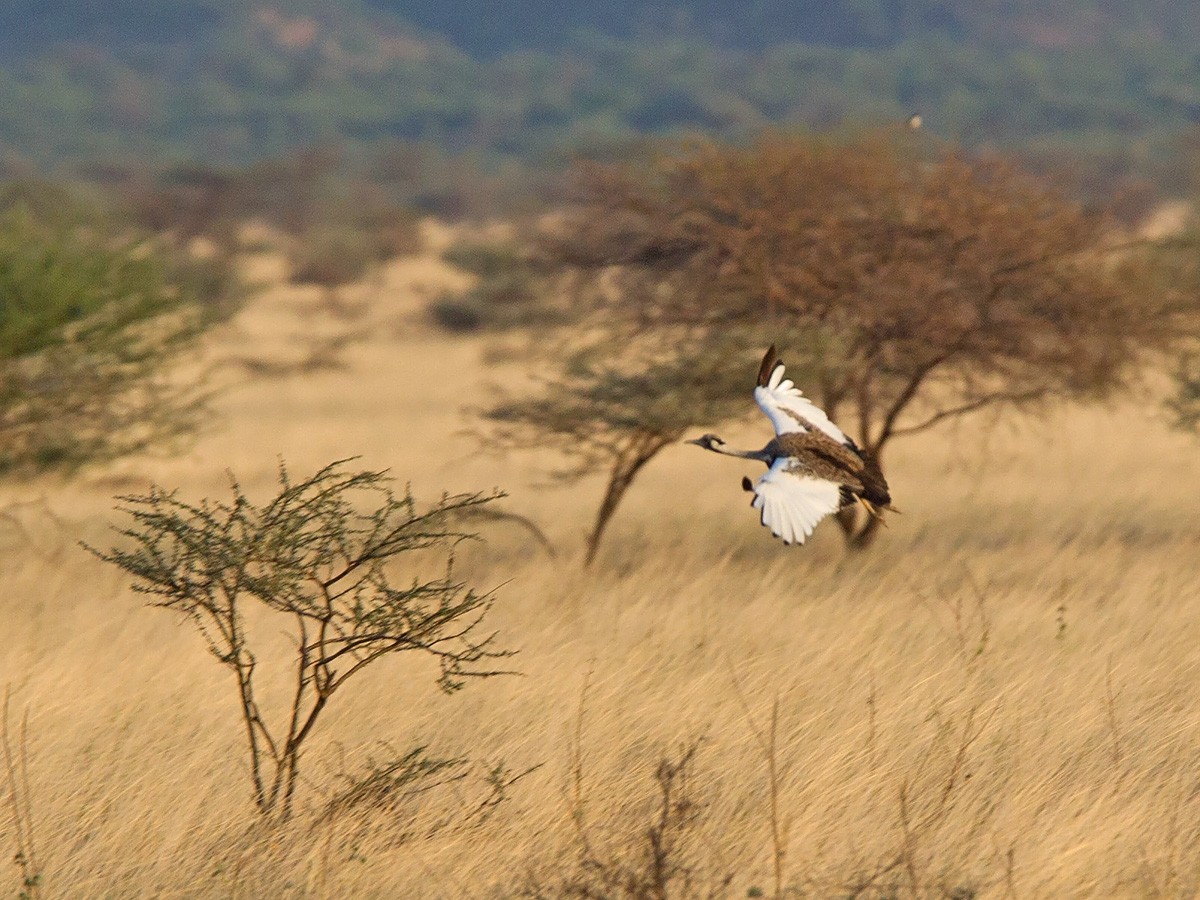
813	441
770	361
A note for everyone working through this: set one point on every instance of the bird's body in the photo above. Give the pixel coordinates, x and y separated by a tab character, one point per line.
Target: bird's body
813	469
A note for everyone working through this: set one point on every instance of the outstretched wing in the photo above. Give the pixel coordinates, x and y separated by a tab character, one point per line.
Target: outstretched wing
792	504
787	408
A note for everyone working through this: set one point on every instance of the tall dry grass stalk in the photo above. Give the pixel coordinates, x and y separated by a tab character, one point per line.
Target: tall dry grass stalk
20	803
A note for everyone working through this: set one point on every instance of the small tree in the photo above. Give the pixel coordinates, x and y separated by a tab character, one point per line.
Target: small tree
310	557
92	314
908	292
615	402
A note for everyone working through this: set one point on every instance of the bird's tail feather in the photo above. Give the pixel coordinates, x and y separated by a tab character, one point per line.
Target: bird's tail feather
875	486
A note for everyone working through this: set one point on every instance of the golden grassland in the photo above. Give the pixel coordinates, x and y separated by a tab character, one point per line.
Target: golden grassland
1002	699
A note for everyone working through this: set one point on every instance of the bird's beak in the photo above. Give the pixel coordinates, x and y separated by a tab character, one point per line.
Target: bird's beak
697	441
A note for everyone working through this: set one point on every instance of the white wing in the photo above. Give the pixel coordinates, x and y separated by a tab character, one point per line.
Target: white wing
790	411
793	504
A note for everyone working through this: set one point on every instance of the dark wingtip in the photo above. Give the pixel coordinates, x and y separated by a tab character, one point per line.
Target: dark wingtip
770	361
747	485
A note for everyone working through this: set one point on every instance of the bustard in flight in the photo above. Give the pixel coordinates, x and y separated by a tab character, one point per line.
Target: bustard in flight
813	469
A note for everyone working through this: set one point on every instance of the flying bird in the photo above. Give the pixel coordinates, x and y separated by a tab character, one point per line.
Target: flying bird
813	469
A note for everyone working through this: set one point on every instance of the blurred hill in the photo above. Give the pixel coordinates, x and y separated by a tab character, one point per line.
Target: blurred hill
1103	88
545	24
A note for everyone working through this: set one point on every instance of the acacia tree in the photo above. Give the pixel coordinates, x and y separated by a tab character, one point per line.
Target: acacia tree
616	401
913	290
325	569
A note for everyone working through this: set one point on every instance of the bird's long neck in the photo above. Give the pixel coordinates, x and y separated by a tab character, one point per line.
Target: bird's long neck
760	455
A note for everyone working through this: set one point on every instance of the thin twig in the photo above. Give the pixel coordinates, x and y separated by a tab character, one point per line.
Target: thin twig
768	745
577	798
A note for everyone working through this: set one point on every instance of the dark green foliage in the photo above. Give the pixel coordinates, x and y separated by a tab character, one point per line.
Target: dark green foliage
1173	266
328	571
1184	406
91	313
544	24
509	293
484	260
455	314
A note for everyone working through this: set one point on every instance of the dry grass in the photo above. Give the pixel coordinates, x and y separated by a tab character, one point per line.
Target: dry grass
1003	700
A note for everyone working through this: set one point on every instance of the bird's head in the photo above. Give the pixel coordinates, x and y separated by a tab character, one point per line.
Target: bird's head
708	442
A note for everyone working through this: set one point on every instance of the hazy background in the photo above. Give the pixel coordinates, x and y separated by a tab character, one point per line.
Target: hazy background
1106	91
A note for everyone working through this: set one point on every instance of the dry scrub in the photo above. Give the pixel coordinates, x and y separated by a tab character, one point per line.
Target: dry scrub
1000	700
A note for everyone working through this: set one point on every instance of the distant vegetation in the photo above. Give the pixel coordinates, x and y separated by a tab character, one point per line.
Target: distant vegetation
93	312
336	221
1103	89
508	294
1178	274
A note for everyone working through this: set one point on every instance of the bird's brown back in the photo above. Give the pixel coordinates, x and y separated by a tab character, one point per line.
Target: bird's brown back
818	454
814	442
